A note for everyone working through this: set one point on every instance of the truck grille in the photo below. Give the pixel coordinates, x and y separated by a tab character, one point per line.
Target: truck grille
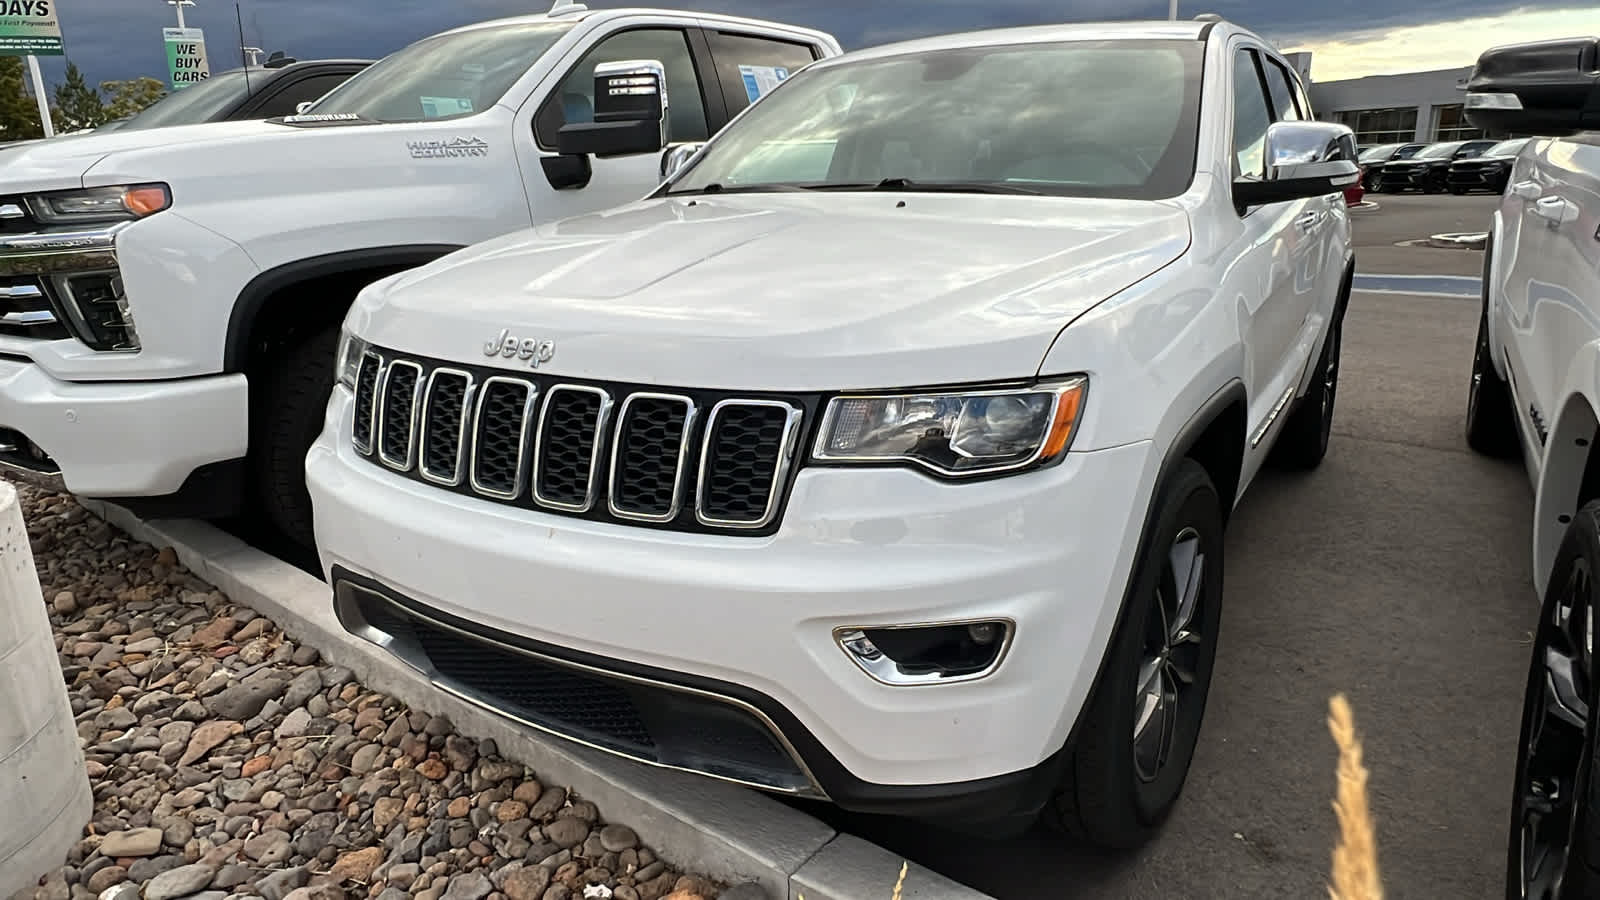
27	311
688	460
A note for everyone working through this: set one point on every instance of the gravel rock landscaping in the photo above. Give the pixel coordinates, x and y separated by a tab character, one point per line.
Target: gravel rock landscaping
229	762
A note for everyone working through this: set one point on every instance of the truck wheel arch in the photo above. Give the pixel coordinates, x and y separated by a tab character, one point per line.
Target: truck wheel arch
1569	478
253	300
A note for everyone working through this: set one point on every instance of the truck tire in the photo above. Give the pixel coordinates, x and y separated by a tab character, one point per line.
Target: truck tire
294	401
1304	440
1553	846
1491	425
1120	780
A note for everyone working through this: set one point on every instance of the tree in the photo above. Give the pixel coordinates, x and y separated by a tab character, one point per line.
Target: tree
124	98
77	104
19	114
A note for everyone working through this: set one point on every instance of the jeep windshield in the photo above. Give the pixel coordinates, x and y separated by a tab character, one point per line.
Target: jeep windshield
444	76
1114	118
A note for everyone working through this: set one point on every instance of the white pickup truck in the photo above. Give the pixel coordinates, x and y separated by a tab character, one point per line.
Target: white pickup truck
883	454
170	300
1535	396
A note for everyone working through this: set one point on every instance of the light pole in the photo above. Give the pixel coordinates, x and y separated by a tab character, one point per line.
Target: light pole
180	4
1172	11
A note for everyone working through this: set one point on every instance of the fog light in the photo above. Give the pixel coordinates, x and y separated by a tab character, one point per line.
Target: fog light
928	654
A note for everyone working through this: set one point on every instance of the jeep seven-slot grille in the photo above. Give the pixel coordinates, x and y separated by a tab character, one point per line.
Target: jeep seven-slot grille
685	460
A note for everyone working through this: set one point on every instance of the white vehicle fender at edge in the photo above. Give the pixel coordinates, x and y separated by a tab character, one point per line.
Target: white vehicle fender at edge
1565	456
1491	279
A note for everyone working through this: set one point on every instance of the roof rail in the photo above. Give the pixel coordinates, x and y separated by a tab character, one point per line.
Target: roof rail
564	7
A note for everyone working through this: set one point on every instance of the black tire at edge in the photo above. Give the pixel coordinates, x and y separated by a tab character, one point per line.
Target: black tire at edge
1303	442
1099	799
1491	426
294	403
1582	538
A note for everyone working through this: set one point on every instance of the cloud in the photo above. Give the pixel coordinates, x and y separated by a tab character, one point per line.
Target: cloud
123	39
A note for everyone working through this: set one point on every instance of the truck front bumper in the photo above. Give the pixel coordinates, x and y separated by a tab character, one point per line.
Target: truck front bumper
688	650
116	439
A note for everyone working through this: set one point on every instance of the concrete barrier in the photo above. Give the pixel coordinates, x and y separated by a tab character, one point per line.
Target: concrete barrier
45	796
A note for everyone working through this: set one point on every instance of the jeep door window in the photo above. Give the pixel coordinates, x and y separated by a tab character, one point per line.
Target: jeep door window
734	53
200	102
444	76
1083	118
1251	116
573	99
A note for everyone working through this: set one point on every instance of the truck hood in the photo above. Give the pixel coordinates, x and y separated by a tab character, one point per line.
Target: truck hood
793	291
60	162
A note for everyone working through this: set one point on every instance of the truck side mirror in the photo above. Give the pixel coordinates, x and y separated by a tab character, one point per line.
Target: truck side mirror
630	112
677	157
302	106
1539	87
1304	160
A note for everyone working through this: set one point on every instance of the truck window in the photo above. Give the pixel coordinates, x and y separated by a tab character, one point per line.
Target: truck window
1282	98
283	103
1251	116
745	62
573	99
457	73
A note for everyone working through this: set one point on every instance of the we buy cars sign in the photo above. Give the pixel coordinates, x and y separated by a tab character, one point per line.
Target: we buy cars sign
29	28
186	56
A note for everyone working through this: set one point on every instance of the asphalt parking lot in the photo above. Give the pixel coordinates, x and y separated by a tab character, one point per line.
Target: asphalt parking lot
1397	573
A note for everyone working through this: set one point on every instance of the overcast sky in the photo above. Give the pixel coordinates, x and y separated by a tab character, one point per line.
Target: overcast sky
122	38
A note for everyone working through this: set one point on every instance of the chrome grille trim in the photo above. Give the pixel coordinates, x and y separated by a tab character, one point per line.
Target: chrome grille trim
520	479
467	418
787	445
365	447
602	418
678	465
381	410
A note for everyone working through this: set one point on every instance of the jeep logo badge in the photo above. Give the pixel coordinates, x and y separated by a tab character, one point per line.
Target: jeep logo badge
510	346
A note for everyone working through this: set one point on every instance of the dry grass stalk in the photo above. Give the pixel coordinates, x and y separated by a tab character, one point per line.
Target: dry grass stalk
900	882
1355	858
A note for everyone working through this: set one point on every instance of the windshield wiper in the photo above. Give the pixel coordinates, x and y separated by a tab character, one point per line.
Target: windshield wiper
932	187
719	188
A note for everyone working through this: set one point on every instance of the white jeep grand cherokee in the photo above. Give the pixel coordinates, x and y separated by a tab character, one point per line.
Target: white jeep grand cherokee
883	454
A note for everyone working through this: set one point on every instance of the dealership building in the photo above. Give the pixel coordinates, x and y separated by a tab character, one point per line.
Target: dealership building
1383	109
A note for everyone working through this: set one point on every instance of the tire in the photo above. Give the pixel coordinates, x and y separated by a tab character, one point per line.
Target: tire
1553	844
294	400
1458	191
1304	440
1105	798
1491	423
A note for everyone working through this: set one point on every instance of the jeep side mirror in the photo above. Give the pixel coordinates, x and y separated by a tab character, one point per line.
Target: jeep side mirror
1304	159
302	106
630	112
673	161
1539	87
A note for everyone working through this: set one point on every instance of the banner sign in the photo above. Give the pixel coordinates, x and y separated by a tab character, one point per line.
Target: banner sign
186	56
29	28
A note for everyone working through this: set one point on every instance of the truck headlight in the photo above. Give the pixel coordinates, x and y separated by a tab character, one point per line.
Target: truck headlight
102	204
351	349
954	434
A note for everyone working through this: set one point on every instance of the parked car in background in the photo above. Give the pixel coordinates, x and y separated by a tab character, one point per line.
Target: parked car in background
990	597
180	290
1372	159
1535	395
275	88
1488	171
1428	169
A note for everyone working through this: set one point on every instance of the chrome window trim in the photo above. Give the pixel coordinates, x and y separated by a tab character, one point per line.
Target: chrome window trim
520	479
787	447
676	505
381	411
454	478
602	419
372	418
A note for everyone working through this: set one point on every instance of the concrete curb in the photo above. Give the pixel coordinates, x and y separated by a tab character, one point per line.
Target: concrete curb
723	831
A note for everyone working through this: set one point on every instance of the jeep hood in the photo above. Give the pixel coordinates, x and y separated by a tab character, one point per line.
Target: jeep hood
793	291
60	163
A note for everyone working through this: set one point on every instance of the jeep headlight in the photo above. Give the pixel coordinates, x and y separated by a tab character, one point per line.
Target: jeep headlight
101	204
954	434
351	349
